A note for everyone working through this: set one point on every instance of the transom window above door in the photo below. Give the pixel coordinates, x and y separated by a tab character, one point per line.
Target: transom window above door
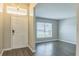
44	30
1	7
15	10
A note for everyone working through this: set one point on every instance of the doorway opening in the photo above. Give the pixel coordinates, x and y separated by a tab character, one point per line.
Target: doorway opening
55	29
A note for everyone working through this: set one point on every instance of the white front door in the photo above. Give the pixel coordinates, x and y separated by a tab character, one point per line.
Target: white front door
19	28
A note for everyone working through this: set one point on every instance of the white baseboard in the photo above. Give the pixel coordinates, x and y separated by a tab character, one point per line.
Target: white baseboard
8	49
67	41
46	40
12	48
1	53
17	48
31	49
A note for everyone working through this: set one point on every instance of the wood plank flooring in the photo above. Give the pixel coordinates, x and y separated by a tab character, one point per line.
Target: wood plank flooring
55	48
18	52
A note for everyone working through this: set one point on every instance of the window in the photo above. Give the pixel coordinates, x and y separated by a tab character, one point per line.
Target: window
1	7
44	30
12	10
40	30
48	29
15	10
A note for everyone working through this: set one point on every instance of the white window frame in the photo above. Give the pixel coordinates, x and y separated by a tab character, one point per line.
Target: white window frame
44	31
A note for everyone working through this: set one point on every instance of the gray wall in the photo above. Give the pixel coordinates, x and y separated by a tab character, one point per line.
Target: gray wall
54	28
67	30
63	30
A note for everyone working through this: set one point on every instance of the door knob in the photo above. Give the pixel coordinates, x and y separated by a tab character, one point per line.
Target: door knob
13	31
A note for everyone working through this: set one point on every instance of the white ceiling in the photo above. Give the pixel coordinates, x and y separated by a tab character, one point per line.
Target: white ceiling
55	10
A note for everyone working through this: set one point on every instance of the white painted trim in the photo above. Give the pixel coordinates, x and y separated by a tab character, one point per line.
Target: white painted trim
31	49
8	49
1	52
46	41
12	48
67	41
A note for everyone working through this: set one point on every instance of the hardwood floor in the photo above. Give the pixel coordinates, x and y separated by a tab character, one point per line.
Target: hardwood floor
18	52
56	48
